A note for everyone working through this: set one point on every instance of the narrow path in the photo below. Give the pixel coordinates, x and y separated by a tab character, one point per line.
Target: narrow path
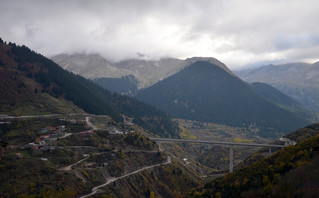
29	116
89	123
92	147
68	168
66	135
95	189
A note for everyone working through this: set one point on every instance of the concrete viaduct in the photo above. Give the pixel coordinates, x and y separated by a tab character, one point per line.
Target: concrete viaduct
231	145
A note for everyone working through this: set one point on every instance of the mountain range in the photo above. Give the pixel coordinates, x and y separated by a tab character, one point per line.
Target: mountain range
206	92
147	72
297	80
138	76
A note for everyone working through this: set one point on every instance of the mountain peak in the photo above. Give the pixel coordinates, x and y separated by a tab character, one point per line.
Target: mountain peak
211	60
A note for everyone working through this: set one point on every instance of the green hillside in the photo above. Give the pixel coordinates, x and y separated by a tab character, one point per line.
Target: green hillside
27	78
290	172
205	92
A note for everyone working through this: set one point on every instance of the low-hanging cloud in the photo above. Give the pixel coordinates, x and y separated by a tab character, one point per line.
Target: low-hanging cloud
237	32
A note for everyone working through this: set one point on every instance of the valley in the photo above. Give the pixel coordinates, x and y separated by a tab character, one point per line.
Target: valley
62	135
101	159
108	159
159	99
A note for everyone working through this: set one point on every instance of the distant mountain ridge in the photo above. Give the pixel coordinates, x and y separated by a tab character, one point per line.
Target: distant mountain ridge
148	72
206	92
90	66
297	80
283	100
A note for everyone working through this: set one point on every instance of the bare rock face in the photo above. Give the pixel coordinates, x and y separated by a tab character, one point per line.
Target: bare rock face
211	60
90	66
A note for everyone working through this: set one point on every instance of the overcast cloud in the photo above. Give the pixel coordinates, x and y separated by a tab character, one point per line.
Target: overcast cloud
237	32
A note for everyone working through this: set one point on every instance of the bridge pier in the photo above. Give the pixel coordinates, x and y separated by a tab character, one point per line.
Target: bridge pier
231	158
159	146
269	151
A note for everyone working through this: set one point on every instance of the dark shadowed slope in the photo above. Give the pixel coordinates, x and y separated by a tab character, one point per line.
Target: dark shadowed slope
206	92
127	85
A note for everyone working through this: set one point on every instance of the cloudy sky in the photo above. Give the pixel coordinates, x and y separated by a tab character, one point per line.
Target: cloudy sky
237	32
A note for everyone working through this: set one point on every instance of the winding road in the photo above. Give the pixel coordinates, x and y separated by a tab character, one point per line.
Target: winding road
95	189
68	168
89	123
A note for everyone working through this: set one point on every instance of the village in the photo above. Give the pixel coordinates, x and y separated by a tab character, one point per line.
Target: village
47	138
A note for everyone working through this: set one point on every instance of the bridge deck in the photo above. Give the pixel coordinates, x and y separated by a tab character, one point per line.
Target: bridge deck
217	142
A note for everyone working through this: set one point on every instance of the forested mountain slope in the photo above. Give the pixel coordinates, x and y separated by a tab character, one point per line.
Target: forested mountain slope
127	85
25	74
206	92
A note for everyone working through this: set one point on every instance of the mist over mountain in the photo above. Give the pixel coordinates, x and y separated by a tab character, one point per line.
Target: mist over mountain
206	92
147	72
93	66
90	66
297	80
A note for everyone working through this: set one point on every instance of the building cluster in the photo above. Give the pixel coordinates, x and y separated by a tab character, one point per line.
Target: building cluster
85	133
48	134
51	133
73	121
115	131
